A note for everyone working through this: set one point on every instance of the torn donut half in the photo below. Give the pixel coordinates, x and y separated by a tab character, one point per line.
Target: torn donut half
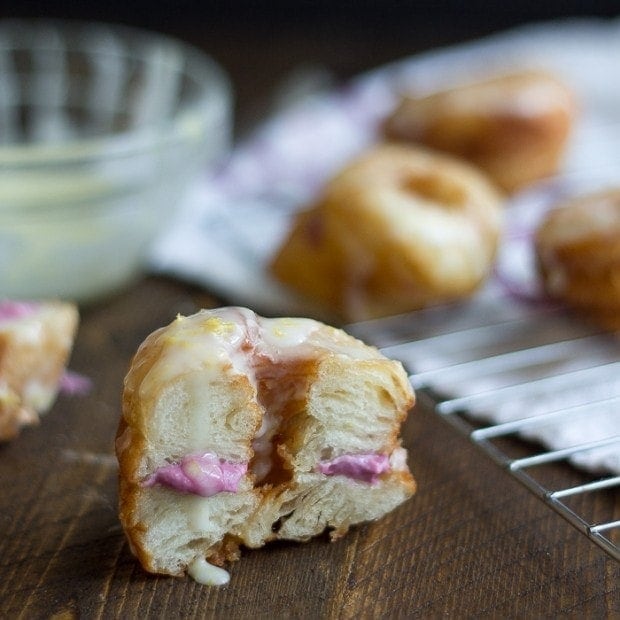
238	430
36	339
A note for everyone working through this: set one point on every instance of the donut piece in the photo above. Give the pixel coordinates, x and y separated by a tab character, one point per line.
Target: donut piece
398	229
238	430
578	255
515	127
35	342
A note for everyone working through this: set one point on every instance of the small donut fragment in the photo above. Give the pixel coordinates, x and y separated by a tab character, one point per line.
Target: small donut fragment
515	127
238	430
36	339
398	229
578	255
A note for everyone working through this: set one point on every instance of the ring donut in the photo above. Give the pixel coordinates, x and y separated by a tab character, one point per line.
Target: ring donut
578	255
237	430
515	127
398	229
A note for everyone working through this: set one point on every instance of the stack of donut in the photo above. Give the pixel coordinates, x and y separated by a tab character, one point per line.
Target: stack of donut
416	221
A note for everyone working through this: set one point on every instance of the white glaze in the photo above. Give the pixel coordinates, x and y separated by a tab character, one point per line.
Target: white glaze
398	460
528	97
237	338
285	333
199	513
206	574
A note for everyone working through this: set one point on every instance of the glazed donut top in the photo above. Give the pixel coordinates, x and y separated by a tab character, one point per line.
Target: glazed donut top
524	94
596	215
238	339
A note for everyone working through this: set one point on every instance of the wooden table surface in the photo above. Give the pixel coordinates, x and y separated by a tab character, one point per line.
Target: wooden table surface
471	543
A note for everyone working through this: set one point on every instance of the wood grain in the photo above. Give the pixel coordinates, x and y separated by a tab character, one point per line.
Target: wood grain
472	542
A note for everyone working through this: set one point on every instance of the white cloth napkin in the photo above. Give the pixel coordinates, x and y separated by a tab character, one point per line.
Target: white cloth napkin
236	215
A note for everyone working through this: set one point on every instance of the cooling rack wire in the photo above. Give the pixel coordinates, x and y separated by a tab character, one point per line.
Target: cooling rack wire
516	379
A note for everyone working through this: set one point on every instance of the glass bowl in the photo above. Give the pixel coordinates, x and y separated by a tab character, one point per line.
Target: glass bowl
102	131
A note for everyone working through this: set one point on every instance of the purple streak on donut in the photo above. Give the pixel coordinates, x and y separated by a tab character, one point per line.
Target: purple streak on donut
205	475
16	309
363	467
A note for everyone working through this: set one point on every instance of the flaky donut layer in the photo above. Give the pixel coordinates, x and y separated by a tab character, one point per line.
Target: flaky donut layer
397	229
237	430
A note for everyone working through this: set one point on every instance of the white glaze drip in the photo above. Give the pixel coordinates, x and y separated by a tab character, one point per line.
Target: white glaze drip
206	574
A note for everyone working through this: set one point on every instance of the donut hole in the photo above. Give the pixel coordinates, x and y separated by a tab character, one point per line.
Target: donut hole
435	188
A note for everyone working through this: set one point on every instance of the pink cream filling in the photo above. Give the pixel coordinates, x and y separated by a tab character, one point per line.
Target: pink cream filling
363	467
16	309
203	475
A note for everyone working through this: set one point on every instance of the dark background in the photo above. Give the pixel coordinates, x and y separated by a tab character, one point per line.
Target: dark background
259	43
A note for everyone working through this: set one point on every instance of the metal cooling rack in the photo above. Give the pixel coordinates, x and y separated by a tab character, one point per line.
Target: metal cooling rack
533	388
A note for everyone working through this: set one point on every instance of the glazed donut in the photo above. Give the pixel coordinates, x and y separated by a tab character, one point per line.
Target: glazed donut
515	127
400	228
577	248
36	339
237	430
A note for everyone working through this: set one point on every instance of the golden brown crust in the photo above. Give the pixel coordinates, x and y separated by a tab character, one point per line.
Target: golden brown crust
130	441
578	255
33	354
398	229
133	445
130	446
515	127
